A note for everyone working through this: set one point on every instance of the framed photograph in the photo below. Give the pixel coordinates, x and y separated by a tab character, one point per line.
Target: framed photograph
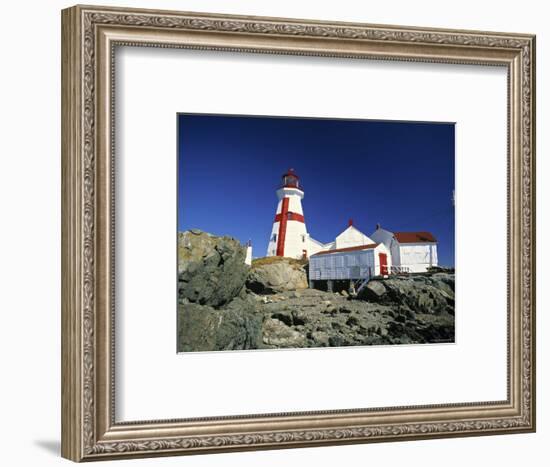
284	233
298	291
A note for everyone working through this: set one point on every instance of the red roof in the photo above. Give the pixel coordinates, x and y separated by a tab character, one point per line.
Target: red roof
414	237
350	248
290	172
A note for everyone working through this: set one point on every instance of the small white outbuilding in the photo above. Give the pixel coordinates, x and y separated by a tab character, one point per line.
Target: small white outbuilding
410	251
349	263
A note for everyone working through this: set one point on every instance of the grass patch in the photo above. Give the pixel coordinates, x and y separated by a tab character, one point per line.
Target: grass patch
257	262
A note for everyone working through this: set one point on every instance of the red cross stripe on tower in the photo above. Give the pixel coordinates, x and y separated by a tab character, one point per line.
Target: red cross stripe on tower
290	216
282	228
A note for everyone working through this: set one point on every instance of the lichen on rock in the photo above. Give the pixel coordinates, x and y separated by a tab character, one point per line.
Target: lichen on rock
211	269
277	275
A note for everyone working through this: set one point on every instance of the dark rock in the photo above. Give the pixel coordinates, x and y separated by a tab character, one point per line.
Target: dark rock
285	317
422	293
374	291
203	328
335	341
352	321
410	314
435	269
211	270
319	339
301	317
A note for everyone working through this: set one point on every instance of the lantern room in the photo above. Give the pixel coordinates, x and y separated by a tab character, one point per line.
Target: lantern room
291	180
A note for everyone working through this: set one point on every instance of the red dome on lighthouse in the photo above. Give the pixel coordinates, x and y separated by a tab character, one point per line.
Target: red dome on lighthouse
290	179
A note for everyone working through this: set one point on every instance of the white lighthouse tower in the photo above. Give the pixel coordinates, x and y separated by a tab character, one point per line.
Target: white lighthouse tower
289	235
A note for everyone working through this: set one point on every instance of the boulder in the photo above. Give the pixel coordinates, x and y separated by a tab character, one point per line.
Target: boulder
211	269
374	291
276	275
278	334
203	328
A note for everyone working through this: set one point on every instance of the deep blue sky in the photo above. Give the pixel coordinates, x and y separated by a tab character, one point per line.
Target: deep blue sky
400	174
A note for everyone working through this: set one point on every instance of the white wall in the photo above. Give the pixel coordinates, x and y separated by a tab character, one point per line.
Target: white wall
294	201
272	245
340	265
30	273
314	246
343	265
382	236
296	239
417	256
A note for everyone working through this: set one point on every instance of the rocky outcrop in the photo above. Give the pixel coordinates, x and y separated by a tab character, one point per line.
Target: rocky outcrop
274	274
431	293
226	305
203	328
313	318
211	269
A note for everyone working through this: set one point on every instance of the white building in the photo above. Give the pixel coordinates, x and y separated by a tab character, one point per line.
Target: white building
410	251
352	255
350	263
248	257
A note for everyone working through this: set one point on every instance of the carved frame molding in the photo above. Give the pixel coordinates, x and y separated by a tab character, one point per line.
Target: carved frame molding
90	37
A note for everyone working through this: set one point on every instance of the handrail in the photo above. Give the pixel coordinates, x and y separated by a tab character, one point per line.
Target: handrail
364	281
400	269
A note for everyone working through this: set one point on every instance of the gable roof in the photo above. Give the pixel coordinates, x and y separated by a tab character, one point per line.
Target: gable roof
414	237
350	228
350	248
317	242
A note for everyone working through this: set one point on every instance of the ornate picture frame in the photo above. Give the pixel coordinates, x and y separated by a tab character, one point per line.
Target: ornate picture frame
89	37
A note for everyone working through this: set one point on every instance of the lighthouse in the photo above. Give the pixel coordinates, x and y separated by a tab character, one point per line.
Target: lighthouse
289	235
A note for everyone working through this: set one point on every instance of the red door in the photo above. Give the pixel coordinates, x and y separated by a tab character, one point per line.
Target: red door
383	257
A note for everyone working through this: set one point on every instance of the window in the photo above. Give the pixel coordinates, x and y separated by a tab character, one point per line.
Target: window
274	238
303	238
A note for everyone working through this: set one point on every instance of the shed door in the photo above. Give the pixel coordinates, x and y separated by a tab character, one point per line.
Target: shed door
383	258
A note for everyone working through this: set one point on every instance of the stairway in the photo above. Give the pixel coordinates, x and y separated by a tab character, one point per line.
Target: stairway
359	284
